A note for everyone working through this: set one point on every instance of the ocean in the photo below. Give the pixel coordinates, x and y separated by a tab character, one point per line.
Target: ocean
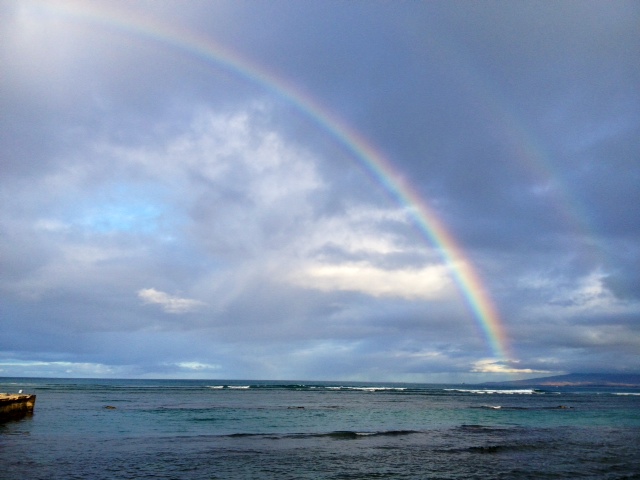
215	429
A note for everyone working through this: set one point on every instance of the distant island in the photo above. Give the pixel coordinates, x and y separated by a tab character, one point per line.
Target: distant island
579	380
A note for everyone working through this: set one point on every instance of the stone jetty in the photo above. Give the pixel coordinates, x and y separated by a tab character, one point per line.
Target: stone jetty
14	406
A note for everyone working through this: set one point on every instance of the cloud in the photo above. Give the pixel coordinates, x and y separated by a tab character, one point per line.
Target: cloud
169	303
264	235
579	298
198	366
426	283
57	369
495	366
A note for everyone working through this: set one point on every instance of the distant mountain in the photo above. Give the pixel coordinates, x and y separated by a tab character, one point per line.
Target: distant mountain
580	379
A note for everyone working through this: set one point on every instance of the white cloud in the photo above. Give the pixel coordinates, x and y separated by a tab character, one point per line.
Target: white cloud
490	365
169	303
357	230
410	283
198	366
230	152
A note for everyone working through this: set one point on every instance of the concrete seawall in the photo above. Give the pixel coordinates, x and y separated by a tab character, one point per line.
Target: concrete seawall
14	406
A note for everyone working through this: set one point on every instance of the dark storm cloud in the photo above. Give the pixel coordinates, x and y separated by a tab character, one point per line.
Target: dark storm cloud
163	215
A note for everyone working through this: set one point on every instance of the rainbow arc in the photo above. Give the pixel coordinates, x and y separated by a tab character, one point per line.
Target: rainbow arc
425	218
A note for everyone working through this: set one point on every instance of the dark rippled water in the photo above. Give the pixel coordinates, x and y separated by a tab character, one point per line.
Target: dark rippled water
318	430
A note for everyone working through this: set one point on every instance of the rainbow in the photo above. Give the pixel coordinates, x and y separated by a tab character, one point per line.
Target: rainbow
431	227
527	150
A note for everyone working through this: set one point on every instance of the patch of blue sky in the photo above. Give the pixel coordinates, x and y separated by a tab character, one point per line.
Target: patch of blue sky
125	216
123	208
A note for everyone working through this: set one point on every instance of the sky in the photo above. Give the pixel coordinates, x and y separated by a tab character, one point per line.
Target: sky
442	191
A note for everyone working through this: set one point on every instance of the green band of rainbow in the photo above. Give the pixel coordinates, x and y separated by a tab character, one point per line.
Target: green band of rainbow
465	276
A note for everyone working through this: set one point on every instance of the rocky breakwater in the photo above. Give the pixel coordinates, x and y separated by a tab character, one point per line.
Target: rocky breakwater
14	406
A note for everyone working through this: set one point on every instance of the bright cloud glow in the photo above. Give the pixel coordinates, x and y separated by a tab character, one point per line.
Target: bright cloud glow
425	283
169	303
198	366
495	366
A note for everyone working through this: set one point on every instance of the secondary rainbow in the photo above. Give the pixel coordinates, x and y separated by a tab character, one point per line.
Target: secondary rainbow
526	149
432	228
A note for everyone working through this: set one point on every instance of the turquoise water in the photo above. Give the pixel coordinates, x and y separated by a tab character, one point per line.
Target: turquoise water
244	429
